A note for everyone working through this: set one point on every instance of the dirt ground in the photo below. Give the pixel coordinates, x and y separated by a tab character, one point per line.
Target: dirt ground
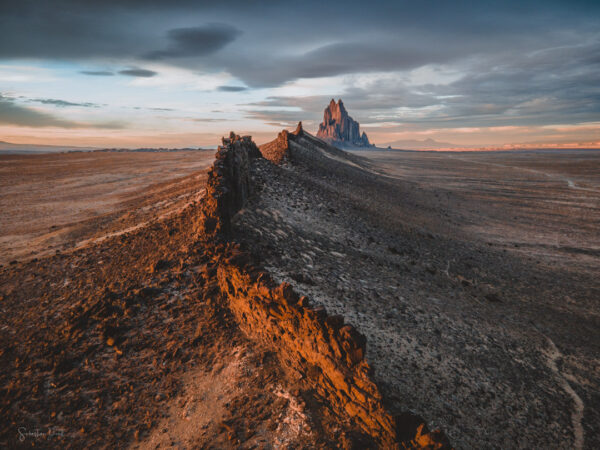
473	276
53	202
126	341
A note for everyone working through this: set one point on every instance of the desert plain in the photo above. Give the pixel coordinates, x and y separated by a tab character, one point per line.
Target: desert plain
473	276
57	201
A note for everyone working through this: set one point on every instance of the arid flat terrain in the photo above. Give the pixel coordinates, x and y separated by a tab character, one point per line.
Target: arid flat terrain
544	203
59	201
473	277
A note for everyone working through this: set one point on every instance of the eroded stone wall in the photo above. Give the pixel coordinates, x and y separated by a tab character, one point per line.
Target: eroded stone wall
319	348
278	150
228	185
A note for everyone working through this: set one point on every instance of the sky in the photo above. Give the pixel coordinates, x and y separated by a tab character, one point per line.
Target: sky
182	73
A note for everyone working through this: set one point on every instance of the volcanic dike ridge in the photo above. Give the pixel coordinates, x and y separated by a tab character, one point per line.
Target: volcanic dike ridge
177	332
315	346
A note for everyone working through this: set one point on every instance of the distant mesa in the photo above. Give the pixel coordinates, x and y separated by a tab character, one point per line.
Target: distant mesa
339	128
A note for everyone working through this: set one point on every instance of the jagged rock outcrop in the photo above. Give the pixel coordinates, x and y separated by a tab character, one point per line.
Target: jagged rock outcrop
299	130
278	150
228	185
299	147
339	127
311	343
320	349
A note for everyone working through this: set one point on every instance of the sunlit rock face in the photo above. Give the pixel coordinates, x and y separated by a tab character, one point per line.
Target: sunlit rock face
338	126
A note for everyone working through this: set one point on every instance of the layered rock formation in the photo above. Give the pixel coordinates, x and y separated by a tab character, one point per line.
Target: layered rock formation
339	127
300	146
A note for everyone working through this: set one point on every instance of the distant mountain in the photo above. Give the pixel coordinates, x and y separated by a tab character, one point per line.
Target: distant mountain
339	128
8	147
25	149
415	144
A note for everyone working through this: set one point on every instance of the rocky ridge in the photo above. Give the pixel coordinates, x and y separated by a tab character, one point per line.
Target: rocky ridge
458	328
319	348
124	324
277	151
339	128
296	146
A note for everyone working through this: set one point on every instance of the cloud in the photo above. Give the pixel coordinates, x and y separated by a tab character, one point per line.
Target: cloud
335	59
141	73
556	85
63	103
108	125
205	119
13	114
313	39
281	117
97	73
232	88
196	41
516	62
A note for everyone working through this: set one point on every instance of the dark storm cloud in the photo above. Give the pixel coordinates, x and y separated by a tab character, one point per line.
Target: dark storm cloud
97	73
196	41
550	86
140	73
61	30
408	32
12	113
399	36
71	29
232	88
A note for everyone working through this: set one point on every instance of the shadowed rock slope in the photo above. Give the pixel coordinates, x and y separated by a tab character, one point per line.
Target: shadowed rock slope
462	333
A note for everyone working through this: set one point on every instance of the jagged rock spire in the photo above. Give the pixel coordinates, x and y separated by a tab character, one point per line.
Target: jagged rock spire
299	129
339	126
